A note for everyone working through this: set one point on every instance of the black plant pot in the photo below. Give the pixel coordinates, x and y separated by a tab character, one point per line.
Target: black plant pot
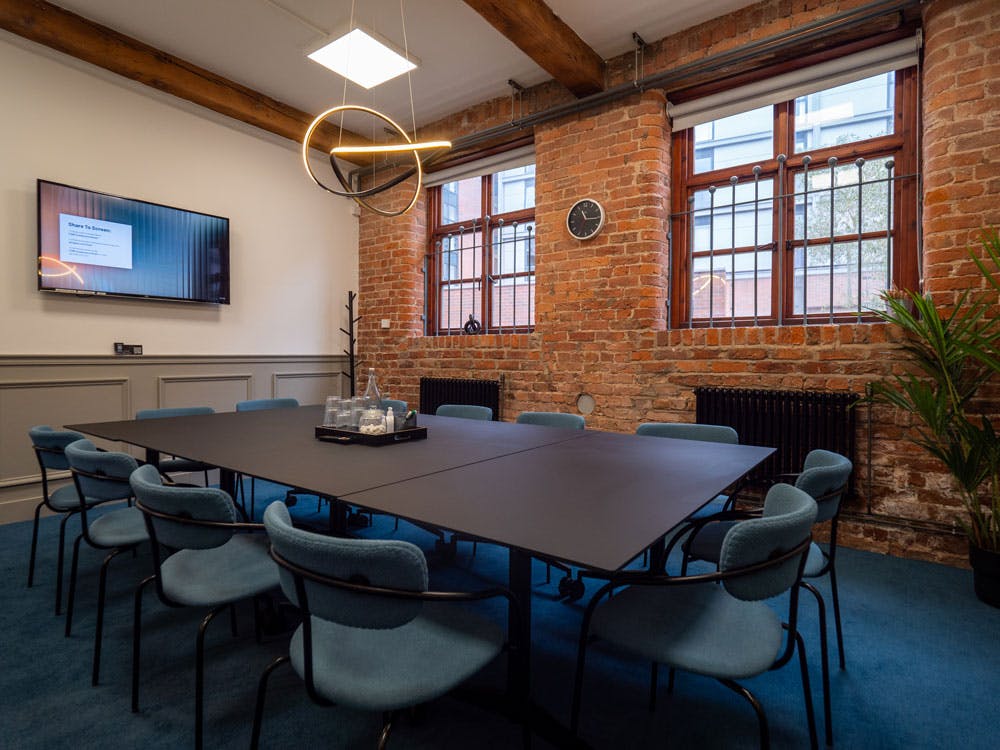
985	574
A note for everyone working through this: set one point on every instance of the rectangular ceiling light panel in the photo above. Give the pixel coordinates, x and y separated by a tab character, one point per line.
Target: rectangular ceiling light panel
363	59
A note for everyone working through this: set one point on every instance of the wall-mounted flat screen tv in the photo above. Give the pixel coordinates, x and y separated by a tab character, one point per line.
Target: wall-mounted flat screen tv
91	243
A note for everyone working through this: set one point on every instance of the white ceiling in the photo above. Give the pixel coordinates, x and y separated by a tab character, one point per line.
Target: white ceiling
463	60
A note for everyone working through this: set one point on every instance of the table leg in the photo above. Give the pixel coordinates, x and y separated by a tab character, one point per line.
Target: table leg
152	457
227	482
519	661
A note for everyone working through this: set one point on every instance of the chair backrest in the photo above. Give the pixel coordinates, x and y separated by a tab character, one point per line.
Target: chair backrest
373	562
465	411
186	504
552	419
398	407
825	475
262	404
709	433
175	411
100	475
50	445
785	523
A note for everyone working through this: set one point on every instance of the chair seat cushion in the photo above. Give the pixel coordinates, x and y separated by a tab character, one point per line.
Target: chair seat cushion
815	562
698	628
383	670
168	465
236	570
65	498
118	528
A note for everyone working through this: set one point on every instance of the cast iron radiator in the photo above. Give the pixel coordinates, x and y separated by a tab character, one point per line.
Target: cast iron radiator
793	422
437	391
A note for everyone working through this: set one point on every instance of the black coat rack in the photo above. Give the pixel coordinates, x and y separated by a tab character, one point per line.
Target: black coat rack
352	341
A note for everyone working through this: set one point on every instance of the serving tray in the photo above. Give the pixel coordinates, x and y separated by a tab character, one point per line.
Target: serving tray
347	435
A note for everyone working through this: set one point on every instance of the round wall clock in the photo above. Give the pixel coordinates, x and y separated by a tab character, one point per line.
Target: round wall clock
585	219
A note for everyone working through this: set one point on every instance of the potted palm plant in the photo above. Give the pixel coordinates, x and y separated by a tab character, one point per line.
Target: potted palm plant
951	353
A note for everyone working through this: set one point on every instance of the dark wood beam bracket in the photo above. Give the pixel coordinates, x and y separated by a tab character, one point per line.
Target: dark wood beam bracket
548	40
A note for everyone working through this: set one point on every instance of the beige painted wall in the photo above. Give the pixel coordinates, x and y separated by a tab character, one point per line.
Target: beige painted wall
293	246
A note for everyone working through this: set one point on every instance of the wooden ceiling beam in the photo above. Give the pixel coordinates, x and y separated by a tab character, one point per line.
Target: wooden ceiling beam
545	38
99	45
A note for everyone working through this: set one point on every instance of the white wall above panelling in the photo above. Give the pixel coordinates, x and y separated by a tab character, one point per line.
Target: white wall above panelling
293	246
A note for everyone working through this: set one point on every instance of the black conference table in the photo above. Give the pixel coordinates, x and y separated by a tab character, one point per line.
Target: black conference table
590	498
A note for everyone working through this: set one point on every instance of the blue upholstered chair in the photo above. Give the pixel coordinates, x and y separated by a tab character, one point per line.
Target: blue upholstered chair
825	477
49	445
465	411
552	419
398	407
729	631
200	559
173	464
709	433
101	477
260	404
373	637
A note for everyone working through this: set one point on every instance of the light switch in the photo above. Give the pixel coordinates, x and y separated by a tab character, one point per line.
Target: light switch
385	322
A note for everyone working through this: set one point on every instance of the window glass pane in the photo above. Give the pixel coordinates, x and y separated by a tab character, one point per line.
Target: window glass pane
514	247
514	189
725	285
457	302
460	255
850	284
513	301
725	219
846	200
845	114
746	138
461	200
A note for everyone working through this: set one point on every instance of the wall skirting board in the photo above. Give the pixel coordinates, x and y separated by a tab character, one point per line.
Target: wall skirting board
59	390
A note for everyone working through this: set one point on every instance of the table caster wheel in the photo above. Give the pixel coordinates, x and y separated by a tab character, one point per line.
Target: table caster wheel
571	589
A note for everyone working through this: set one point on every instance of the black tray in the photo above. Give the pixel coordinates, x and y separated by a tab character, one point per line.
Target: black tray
352	435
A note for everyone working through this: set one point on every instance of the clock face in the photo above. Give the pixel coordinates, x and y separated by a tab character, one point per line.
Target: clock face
585	219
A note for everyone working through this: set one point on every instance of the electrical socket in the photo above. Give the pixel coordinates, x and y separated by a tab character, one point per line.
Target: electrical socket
119	347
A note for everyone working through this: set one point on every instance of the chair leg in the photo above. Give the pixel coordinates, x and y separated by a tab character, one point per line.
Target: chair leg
825	656
836	613
253	493
654	674
807	691
99	628
199	676
258	714
59	561
72	586
34	545
581	656
765	735
383	737
136	637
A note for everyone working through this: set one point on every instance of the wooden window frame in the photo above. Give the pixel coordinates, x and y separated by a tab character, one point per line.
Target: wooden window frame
483	224
901	146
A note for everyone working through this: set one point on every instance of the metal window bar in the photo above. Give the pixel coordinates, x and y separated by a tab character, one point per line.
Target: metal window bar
782	200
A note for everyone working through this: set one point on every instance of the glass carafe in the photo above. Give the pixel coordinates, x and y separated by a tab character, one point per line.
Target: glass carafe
372	397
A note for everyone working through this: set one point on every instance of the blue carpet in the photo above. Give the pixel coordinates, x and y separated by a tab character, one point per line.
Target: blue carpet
923	667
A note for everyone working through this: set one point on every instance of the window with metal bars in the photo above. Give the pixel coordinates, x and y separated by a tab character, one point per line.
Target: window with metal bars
800	212
480	268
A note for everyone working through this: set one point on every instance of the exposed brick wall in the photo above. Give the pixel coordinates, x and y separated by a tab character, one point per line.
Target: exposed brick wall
601	319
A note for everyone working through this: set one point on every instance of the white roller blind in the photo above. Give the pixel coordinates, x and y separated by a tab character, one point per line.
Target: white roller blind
894	56
518	157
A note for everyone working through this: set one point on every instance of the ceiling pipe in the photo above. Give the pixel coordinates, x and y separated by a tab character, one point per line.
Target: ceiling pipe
822	29
810	32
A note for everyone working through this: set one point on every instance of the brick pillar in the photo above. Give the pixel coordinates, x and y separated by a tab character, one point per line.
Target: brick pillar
961	136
